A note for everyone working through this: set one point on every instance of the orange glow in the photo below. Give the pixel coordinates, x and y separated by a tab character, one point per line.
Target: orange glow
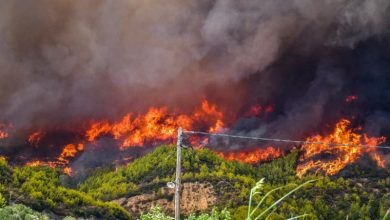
254	156
341	155
155	125
68	171
36	163
3	133
378	159
52	164
136	130
70	150
35	137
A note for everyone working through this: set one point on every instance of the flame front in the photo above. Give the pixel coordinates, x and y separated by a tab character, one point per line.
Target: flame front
159	125
155	126
254	156
344	144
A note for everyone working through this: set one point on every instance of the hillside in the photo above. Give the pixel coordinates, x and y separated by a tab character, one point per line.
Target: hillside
208	180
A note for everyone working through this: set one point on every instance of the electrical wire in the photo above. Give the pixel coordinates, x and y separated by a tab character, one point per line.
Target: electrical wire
282	140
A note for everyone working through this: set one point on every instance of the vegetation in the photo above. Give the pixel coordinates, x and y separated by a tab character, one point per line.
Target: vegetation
355	196
40	188
156	213
18	212
3	203
327	198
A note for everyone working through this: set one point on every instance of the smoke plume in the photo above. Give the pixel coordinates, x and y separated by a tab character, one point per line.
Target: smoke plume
63	62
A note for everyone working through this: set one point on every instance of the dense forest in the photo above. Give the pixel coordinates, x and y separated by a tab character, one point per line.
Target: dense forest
360	191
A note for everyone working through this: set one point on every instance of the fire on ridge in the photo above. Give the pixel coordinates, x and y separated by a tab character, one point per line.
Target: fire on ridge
158	125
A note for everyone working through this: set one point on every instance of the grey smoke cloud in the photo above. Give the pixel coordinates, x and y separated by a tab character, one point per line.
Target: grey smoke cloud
65	61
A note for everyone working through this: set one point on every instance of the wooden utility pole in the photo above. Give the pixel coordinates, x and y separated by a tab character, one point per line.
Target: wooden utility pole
178	173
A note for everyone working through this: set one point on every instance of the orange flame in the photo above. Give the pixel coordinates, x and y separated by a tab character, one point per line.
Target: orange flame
68	171
70	150
344	155
36	163
3	133
378	159
155	126
35	137
255	156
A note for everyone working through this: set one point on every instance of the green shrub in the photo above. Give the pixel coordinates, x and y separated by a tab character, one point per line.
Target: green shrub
155	214
18	212
3	202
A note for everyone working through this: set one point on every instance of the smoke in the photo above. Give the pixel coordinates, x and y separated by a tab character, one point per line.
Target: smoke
65	61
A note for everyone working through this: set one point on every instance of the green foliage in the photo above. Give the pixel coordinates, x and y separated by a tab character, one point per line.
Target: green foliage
325	199
3	202
158	167
156	213
18	212
5	171
328	198
258	211
280	171
39	187
214	215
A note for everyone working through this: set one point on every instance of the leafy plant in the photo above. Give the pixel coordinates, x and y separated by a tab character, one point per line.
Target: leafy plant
17	212
257	189
215	215
155	214
3	202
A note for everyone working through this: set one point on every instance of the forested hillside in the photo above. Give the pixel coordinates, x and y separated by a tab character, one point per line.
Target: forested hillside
348	194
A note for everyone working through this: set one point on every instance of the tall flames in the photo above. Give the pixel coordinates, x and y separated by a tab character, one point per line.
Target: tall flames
344	145
159	125
156	126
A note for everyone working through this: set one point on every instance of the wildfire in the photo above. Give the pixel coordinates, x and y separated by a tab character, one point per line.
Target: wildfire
159	125
70	150
342	155
378	159
53	164
260	111
3	133
255	156
155	126
35	137
135	130
36	163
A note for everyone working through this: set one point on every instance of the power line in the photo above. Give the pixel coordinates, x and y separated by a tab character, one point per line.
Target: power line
282	140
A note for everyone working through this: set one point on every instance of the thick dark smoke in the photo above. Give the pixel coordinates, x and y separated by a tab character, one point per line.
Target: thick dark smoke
65	61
